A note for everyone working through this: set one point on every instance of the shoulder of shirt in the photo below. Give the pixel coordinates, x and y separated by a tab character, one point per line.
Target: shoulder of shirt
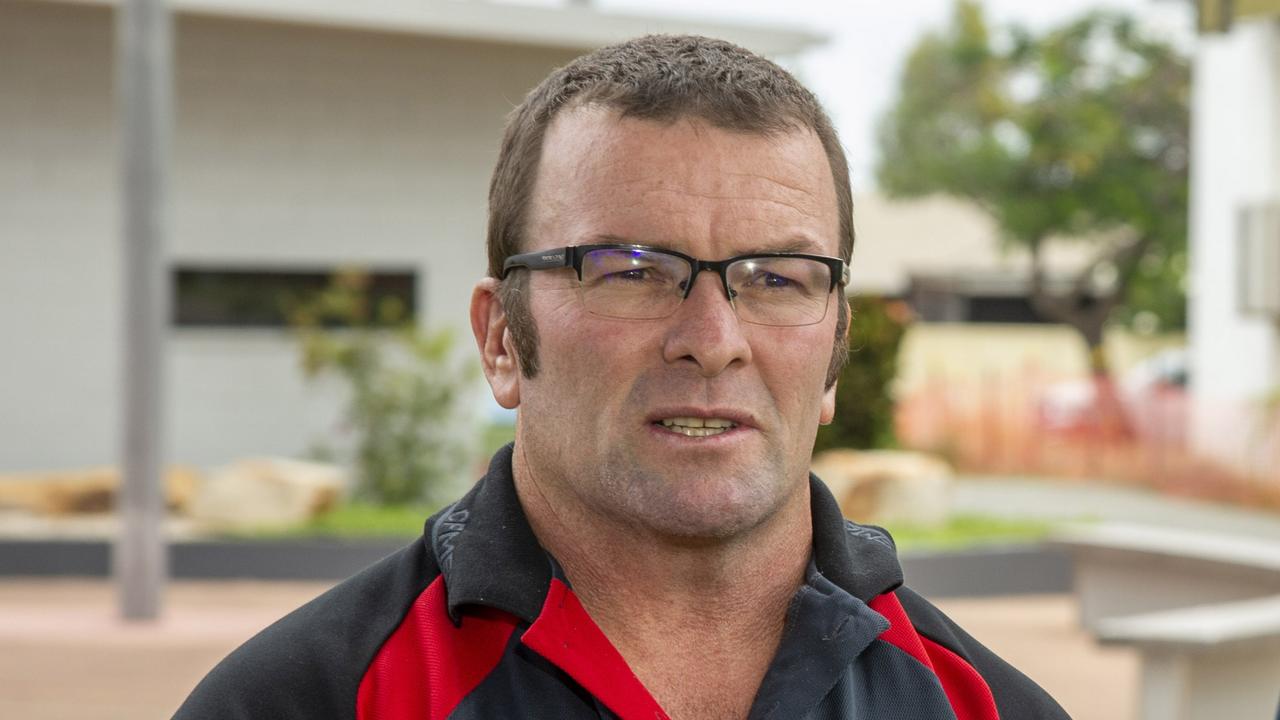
310	663
1016	695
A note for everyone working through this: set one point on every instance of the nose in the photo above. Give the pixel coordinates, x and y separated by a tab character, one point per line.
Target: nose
705	330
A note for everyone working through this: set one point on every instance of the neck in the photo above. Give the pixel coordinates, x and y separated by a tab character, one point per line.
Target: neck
678	609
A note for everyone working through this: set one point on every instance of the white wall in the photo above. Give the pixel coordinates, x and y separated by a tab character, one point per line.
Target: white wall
1235	160
59	264
292	146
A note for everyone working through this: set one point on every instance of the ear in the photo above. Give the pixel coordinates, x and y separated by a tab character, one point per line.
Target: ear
493	339
829	397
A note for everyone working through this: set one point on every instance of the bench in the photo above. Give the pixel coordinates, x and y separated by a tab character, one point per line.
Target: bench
1202	610
1122	570
1205	663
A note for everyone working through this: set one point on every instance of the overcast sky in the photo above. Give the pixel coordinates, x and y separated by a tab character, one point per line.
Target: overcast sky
856	73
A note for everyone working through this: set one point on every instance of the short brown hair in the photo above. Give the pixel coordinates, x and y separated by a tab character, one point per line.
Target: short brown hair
661	78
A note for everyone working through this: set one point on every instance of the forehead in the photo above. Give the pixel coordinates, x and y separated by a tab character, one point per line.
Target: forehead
684	183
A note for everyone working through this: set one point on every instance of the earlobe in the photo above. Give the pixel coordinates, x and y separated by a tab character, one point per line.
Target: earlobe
828	406
493	340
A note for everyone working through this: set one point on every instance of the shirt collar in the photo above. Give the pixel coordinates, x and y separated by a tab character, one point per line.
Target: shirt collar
860	559
486	550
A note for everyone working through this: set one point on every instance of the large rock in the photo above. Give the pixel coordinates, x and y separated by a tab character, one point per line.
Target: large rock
887	486
91	490
267	492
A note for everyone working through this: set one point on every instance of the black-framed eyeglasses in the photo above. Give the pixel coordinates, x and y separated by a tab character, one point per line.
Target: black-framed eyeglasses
637	282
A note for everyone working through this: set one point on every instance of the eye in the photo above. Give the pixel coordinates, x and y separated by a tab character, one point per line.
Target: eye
767	280
631	268
633	274
775	280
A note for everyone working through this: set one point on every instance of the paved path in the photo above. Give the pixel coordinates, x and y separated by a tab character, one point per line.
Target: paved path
64	655
1079	500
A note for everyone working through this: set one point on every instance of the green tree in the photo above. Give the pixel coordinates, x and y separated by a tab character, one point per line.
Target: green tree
1079	134
404	387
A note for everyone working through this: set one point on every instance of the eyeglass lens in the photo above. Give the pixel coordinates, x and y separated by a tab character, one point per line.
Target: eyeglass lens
643	284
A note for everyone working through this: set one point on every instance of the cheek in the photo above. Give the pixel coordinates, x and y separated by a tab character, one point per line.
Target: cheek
794	365
591	364
578	340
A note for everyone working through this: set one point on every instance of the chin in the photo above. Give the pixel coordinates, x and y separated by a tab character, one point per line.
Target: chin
698	512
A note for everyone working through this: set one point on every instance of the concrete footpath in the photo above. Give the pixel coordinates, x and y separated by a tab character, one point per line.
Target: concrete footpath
1079	500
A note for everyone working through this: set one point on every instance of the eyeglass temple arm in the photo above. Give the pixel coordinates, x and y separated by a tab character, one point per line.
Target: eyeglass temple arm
539	260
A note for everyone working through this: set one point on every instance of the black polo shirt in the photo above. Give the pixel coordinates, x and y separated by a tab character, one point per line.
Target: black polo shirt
475	620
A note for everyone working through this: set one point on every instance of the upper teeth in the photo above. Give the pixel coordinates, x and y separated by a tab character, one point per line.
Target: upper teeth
708	425
699	422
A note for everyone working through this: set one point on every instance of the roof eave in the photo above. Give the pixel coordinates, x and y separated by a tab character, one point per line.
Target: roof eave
575	28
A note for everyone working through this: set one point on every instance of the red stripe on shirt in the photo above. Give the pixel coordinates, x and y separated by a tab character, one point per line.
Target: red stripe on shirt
966	690
428	665
566	635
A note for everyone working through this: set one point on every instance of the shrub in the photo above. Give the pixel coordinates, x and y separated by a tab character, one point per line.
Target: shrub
864	402
404	386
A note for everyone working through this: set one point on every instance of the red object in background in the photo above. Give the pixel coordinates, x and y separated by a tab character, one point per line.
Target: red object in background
1148	403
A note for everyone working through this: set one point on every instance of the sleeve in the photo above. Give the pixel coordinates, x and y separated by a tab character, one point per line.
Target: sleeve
1017	696
309	664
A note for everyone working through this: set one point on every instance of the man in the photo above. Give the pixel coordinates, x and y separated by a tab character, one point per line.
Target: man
670	226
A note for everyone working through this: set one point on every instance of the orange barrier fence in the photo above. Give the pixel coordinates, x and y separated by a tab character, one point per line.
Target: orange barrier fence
1025	423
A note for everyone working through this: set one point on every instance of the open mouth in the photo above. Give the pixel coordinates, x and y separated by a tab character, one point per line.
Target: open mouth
697	427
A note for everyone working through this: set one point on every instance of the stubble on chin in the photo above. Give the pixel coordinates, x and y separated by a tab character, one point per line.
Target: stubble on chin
705	502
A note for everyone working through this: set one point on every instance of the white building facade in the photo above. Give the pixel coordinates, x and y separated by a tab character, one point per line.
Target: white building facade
1235	245
308	135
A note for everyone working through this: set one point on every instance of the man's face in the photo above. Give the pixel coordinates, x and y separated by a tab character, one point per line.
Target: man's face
591	421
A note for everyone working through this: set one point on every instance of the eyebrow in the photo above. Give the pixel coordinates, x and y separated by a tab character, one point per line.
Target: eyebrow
792	245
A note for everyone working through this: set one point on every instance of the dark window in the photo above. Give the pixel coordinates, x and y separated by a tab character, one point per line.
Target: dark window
237	298
962	299
934	305
1003	310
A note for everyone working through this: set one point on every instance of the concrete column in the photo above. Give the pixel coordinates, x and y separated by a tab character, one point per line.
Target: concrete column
144	60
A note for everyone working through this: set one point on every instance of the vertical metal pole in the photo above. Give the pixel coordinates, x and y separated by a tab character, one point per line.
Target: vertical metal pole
143	82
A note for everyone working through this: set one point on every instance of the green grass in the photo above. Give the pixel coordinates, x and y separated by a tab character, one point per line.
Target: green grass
354	520
964	531
360	520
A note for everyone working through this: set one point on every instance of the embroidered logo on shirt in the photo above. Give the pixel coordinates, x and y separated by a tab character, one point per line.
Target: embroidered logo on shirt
868	533
446	532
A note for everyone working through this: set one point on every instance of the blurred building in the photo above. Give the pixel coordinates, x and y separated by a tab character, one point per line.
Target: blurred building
945	257
1235	233
309	135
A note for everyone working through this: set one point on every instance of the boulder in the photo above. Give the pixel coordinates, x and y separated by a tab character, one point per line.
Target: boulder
887	486
91	490
267	492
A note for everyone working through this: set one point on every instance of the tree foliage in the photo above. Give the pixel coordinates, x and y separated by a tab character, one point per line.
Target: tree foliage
1079	134
404	387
